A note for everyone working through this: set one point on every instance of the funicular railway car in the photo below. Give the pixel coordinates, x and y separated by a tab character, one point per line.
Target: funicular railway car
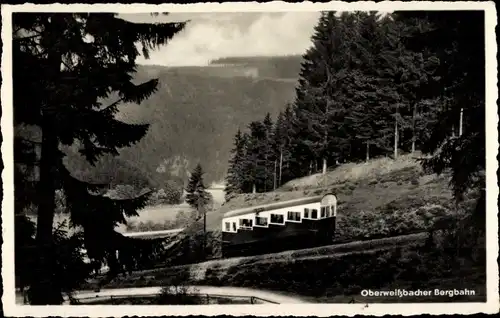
279	226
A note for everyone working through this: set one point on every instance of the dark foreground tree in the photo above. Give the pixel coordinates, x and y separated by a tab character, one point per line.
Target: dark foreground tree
71	64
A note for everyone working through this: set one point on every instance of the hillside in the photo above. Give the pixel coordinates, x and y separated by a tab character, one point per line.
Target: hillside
197	110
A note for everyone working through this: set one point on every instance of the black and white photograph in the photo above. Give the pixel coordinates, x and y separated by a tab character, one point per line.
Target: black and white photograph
225	155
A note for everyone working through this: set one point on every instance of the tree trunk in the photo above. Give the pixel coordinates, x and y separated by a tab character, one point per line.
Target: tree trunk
414	128
45	290
266	174
460	127
325	133
281	166
310	167
396	137
453	130
367	151
274	175
254	181
204	233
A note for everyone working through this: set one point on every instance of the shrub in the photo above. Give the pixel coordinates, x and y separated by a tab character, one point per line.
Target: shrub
171	193
212	276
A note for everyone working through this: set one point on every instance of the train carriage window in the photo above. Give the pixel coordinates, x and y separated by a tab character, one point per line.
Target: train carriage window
228	226
306	213
314	214
259	220
327	213
293	216
323	212
234	226
277	218
297	216
334	210
246	223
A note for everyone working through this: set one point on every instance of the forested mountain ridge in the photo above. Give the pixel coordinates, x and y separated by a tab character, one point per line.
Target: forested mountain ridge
194	114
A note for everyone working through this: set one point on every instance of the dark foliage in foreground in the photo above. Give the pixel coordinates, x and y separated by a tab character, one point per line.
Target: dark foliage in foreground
54	58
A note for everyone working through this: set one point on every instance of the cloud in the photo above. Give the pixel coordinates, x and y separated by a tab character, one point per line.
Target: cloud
209	36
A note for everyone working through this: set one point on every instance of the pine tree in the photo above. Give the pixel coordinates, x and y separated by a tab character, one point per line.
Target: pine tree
270	163
199	199
254	164
197	196
388	68
283	134
415	71
364	118
70	63
235	174
319	108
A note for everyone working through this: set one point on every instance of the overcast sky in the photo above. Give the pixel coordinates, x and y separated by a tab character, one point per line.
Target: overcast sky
209	36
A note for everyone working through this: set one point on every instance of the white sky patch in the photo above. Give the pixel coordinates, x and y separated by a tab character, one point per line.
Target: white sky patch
210	36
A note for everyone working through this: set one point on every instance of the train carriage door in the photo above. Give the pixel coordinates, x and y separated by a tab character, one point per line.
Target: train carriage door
329	202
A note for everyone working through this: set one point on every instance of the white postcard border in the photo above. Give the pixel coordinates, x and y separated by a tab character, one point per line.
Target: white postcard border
492	304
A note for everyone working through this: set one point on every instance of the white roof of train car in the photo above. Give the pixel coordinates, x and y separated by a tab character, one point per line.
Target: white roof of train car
275	205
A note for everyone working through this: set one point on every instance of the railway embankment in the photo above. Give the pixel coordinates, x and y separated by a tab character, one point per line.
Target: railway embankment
200	272
334	273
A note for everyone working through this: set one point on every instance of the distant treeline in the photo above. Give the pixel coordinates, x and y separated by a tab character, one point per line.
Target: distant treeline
371	85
